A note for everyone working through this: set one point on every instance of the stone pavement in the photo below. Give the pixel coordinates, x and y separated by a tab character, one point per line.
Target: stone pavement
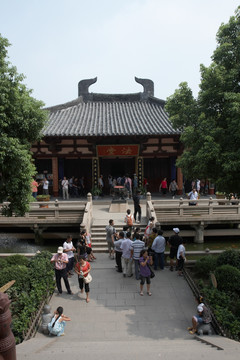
120	324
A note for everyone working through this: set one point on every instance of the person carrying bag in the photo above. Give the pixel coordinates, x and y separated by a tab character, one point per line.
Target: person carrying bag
83	268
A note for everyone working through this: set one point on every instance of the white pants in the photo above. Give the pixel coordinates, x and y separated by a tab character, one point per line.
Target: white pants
127	266
65	193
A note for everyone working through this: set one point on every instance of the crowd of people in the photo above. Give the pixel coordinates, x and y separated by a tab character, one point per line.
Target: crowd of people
69	259
136	252
133	249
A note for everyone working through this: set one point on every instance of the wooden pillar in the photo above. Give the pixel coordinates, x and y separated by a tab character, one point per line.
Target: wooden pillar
95	175
140	171
55	175
180	181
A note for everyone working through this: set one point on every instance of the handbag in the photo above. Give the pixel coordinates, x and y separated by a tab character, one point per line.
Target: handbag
87	279
152	275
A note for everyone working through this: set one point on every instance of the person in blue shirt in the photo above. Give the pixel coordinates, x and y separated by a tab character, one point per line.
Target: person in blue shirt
158	246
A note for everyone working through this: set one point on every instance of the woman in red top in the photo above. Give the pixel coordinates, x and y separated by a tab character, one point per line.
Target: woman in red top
163	186
82	268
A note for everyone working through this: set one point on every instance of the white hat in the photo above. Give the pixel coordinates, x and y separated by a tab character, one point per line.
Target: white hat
200	308
60	250
176	230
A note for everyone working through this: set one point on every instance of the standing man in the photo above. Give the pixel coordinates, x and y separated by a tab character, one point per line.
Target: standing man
110	231
174	241
173	187
118	251
45	186
68	248
65	188
158	246
60	261
137	246
135	184
137	206
127	256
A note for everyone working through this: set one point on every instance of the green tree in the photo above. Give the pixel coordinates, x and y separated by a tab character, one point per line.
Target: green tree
210	124
21	121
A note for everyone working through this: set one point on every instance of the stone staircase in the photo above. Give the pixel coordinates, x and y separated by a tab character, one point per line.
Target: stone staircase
98	233
119	324
76	348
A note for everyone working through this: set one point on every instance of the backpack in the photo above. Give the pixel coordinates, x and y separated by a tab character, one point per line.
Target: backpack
129	220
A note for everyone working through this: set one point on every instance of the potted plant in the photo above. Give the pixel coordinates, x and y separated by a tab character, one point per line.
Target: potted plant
43	198
96	192
220	195
143	191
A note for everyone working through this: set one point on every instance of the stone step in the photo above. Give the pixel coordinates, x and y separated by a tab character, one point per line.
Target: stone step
55	348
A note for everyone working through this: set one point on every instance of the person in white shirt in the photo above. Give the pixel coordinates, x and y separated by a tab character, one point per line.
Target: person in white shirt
65	188
181	257
68	248
45	186
193	195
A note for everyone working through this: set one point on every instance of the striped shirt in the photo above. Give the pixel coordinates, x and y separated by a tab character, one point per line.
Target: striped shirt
137	247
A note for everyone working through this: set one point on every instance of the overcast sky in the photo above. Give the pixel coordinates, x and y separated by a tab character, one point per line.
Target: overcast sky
57	43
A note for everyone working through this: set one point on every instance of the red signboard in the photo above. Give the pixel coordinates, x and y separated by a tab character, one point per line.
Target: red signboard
117	150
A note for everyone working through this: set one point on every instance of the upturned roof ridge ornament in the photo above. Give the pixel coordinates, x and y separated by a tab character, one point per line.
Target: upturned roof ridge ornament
148	86
83	86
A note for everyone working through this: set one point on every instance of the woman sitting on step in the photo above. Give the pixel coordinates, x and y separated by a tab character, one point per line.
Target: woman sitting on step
58	322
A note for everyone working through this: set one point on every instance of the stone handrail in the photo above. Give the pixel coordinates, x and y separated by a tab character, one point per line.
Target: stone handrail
150	211
208	207
53	209
87	216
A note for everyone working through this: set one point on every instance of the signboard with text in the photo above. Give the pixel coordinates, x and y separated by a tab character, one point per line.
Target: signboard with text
117	150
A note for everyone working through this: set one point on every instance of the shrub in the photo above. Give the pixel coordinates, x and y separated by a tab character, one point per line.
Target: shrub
33	284
17	260
226	309
205	265
216	297
20	273
228	278
3	263
229	257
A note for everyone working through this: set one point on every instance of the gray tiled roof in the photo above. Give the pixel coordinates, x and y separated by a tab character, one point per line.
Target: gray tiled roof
113	118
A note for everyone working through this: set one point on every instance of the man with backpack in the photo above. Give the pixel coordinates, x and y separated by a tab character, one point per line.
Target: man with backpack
129	220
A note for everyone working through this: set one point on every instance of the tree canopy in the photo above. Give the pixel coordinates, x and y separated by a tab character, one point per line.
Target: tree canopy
21	122
210	124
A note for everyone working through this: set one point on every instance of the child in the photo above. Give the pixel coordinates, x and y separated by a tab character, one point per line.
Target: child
129	219
181	257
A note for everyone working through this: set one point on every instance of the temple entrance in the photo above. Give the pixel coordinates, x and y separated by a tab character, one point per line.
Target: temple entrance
155	169
117	167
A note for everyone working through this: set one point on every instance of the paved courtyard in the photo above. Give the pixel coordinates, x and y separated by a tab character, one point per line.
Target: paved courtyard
118	323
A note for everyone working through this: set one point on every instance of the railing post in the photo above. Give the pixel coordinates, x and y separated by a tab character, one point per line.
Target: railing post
56	208
181	206
148	196
89	197
210	206
158	225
